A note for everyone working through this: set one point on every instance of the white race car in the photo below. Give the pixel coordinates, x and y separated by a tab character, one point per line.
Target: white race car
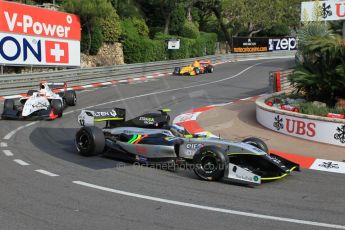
46	103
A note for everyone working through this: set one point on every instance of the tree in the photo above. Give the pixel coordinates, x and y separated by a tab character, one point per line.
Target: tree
90	13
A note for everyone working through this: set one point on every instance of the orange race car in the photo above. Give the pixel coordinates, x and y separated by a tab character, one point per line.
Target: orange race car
196	68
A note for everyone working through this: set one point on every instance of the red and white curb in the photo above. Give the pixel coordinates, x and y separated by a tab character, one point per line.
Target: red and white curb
127	80
189	121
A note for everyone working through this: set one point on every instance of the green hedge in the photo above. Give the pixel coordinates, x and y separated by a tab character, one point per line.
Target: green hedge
138	48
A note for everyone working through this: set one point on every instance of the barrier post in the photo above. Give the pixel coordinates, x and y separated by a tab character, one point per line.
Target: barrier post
278	82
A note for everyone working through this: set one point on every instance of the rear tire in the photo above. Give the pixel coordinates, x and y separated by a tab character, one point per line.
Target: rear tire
9	104
90	141
57	106
31	92
71	98
210	163
210	69
256	142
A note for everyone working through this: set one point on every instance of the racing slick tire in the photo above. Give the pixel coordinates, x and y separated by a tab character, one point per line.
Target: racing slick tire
70	98
9	104
31	92
210	69
90	141
256	142
210	163
57	106
197	71
177	71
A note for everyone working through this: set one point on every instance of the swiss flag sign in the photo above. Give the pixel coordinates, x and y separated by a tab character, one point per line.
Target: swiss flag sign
57	52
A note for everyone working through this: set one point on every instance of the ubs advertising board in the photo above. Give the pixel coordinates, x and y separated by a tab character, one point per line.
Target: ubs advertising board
323	10
38	37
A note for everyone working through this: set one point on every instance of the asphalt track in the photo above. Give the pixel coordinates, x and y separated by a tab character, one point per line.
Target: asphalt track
45	184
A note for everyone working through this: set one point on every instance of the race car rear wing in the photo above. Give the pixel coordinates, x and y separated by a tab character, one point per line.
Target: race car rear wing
89	117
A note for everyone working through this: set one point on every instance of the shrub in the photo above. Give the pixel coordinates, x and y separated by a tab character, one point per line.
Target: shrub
189	30
111	27
97	40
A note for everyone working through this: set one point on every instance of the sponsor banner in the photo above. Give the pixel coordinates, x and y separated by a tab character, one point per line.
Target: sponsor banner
314	130
249	45
323	10
329	166
36	36
31	50
282	44
23	19
174	44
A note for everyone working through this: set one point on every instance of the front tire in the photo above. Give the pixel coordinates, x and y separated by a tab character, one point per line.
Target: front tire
210	163
90	141
71	98
57	106
196	71
256	142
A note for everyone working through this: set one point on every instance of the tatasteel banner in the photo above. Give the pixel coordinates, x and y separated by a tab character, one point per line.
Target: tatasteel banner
323	10
36	36
314	130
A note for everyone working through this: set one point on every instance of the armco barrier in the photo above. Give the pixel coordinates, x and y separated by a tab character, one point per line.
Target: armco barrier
14	84
279	81
310	127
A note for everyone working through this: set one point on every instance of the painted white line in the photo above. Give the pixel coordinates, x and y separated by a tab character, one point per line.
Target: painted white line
21	162
46	172
121	81
3	144
148	77
10	134
7	152
245	99
176	89
212	209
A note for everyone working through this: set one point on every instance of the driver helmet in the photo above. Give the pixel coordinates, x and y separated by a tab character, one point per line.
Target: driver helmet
178	130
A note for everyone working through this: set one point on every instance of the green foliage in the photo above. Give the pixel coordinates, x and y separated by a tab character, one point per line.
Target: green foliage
91	13
321	76
141	26
279	30
189	30
178	19
97	40
111	27
311	109
137	47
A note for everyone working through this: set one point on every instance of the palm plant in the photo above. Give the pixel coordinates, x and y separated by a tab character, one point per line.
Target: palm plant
321	76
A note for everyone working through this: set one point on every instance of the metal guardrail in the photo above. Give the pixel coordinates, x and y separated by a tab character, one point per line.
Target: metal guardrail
13	84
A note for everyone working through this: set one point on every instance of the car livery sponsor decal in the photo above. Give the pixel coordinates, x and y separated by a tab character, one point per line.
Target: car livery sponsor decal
147	120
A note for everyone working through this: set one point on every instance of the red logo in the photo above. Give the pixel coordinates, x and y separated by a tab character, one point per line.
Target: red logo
57	52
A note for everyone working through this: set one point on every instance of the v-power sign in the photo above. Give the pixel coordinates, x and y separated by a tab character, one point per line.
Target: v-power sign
36	36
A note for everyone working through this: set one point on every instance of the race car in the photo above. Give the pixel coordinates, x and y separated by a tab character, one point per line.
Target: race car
150	141
196	68
40	104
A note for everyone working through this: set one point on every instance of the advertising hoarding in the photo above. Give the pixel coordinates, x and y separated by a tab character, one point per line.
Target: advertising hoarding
36	36
314	130
249	45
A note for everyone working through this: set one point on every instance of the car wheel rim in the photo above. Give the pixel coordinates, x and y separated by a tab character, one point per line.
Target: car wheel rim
83	142
208	164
